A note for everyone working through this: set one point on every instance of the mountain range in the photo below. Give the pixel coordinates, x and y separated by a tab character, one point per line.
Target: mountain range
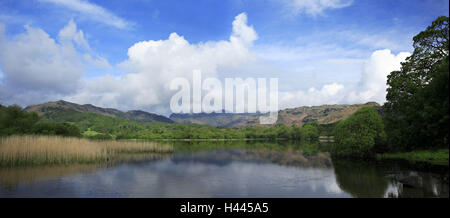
325	114
50	109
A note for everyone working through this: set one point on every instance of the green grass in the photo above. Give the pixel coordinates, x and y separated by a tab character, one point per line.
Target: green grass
434	157
89	132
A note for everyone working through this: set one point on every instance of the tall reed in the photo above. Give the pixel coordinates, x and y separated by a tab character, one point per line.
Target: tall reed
39	150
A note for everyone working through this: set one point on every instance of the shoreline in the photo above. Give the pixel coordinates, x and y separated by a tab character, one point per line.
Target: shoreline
425	158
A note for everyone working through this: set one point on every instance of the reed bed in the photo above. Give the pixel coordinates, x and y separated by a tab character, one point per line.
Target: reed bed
41	150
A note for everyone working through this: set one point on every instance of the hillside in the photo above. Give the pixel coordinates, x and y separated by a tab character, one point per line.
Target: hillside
216	119
53	111
325	114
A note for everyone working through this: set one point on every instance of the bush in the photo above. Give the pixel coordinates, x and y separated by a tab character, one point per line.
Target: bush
359	135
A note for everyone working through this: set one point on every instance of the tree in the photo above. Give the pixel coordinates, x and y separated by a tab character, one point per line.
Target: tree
417	98
14	120
296	132
358	135
283	132
63	129
310	132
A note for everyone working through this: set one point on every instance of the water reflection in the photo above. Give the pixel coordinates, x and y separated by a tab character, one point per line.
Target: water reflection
360	179
408	184
224	169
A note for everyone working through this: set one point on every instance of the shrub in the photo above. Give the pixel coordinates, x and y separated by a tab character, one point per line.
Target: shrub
359	134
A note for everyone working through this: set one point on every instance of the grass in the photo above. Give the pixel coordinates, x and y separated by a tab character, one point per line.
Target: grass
434	157
44	150
88	133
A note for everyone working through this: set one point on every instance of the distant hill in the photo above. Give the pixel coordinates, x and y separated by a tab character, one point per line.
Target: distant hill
54	111
216	119
325	114
63	111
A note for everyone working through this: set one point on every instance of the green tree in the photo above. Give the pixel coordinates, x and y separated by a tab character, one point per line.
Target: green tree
63	129
14	120
310	132
358	135
283	132
296	132
417	97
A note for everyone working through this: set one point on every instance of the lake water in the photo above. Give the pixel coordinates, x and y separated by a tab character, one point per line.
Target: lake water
219	169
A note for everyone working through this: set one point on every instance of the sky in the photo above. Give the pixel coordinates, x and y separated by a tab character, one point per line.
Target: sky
123	54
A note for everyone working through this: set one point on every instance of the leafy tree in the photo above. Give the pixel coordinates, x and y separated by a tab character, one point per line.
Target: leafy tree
358	135
417	98
13	120
63	129
296	132
283	131
310	132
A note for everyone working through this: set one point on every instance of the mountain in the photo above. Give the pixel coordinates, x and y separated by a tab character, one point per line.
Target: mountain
325	114
216	119
53	109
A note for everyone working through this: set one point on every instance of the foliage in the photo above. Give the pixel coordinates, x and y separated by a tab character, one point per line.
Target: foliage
418	95
97	126
327	129
92	125
63	129
310	132
358	135
13	120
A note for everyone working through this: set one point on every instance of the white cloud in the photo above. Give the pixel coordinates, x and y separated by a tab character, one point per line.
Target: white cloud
92	11
37	68
242	32
34	64
315	7
326	95
371	87
152	65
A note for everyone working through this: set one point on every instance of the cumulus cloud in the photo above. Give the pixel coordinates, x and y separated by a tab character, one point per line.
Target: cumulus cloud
371	87
315	7
35	64
328	94
152	65
92	11
35	68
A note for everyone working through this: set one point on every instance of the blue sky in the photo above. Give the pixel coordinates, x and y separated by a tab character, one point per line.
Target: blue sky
307	44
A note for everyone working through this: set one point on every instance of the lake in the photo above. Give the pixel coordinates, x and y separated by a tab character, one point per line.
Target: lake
226	169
